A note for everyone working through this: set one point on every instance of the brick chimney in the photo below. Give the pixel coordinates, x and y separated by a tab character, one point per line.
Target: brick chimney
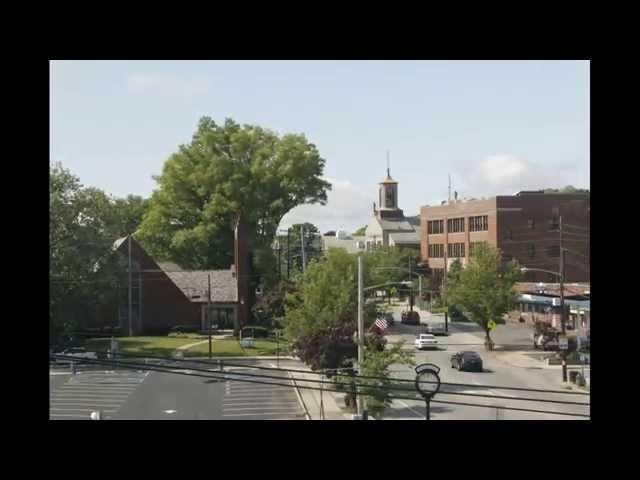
241	263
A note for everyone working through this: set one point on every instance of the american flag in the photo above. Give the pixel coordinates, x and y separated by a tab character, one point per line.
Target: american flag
381	323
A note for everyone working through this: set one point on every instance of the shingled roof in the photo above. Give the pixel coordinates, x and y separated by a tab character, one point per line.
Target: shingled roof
195	282
405	238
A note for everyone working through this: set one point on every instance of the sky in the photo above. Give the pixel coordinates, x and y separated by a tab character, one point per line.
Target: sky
496	127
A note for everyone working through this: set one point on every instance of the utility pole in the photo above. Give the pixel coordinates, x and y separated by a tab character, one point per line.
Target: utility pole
279	261
130	293
304	257
411	288
360	331
562	321
209	312
288	253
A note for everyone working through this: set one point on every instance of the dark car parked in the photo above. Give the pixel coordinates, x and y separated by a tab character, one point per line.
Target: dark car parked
410	318
466	361
389	318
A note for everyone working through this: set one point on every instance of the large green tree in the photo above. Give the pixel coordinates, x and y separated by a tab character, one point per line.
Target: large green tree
484	288
84	222
227	170
379	389
320	316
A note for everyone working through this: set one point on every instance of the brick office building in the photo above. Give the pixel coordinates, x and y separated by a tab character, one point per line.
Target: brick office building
523	226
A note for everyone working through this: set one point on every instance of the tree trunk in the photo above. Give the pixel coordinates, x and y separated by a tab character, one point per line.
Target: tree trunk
488	343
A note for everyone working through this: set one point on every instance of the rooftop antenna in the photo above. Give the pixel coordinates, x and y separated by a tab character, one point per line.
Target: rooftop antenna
449	187
388	174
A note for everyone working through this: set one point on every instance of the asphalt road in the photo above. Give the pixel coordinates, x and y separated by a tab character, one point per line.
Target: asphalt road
125	394
496	373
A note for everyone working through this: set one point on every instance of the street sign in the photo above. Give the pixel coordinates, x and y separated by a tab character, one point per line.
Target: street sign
491	325
563	343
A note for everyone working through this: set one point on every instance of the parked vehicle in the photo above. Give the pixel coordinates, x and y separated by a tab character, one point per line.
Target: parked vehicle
410	318
78	352
547	340
466	361
435	328
425	340
389	318
545	337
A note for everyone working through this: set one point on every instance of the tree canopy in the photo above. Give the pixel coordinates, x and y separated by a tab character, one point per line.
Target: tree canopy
84	222
360	231
484	288
567	189
320	315
227	170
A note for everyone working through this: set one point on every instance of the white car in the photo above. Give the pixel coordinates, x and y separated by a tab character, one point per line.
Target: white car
425	340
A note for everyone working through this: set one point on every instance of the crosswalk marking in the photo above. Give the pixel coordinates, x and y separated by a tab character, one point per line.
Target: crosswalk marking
86	392
265	401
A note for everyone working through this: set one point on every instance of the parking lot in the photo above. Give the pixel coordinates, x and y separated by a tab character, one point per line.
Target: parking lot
249	401
74	397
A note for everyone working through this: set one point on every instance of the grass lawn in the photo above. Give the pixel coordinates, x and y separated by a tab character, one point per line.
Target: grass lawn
160	346
230	347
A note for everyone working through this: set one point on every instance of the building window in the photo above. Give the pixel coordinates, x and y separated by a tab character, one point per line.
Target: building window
455	225
479	223
436	250
455	250
435	226
532	224
531	250
553	251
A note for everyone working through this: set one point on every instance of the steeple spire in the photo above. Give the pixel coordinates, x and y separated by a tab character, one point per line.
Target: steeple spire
388	174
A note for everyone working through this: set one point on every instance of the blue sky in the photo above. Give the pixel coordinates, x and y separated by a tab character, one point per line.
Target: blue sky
495	126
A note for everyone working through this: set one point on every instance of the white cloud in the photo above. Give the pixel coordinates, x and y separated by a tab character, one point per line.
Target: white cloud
348	207
506	174
168	85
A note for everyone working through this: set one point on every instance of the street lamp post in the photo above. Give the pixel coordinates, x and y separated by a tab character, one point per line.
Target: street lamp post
360	324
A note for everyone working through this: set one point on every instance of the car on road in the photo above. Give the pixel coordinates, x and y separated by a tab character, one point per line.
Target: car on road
466	361
435	328
425	340
389	318
71	352
410	318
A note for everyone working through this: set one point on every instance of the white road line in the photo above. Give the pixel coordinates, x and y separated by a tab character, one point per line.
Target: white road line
255	403
264	411
87	396
78	410
253	414
91	391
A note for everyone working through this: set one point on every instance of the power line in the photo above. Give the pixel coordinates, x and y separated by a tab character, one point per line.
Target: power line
225	377
231	364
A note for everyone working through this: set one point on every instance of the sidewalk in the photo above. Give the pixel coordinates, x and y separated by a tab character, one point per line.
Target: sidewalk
315	401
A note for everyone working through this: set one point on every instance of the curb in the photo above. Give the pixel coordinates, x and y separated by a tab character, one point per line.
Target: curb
240	358
300	399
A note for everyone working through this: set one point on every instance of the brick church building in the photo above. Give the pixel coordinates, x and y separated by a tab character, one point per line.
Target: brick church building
164	295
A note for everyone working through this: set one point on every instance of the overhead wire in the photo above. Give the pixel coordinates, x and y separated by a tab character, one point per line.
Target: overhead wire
214	375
